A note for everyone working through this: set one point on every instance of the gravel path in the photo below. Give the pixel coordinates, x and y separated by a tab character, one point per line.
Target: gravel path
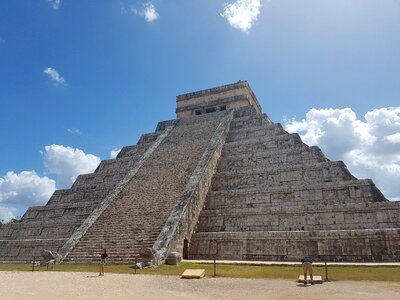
59	285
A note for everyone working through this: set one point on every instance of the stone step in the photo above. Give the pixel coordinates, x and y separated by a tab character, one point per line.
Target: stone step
358	185
333	245
240	224
41	231
250	123
115	166
133	151
24	250
111	247
98	179
123	241
264	130
247	117
94	236
272	158
114	259
148	138
94	251
294	176
65	197
116	253
273	152
283	218
310	209
325	193
263	144
308	168
68	211
82	204
41	223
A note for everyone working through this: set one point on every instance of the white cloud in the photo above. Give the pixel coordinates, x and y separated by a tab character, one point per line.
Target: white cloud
148	12
54	3
74	131
7	213
19	191
370	147
67	163
114	153
242	13
23	189
54	75
393	138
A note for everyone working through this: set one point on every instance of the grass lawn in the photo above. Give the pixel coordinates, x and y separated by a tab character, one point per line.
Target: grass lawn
236	271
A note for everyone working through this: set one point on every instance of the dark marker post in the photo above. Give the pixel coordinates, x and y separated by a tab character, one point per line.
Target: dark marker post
215	266
326	271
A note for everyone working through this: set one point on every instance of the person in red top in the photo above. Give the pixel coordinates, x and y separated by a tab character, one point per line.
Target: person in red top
103	261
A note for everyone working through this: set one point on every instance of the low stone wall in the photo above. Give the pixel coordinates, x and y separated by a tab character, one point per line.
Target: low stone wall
273	158
23	251
306	218
300	175
341	245
260	144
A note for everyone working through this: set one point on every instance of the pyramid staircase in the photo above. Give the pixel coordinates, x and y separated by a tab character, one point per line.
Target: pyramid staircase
124	205
222	180
138	214
50	226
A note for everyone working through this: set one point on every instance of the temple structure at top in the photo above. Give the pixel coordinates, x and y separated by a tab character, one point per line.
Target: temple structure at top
231	96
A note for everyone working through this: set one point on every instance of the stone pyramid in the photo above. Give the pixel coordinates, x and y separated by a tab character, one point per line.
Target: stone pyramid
222	180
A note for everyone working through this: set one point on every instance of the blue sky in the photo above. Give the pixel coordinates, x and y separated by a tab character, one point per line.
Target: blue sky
79	79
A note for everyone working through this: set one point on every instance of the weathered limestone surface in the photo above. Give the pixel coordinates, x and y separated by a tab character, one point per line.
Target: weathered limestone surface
221	180
182	220
229	96
273	197
333	245
138	213
98	211
52	226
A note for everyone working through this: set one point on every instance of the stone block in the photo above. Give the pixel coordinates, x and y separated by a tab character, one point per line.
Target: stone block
193	274
316	279
173	258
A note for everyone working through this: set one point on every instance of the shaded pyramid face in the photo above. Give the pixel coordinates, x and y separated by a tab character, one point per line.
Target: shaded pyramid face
220	180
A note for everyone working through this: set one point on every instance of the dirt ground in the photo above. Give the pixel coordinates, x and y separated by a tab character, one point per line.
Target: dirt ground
59	285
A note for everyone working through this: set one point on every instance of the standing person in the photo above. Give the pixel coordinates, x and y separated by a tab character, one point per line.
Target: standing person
307	268
103	261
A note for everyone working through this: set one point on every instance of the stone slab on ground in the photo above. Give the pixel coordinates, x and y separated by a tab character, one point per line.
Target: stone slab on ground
193	274
316	279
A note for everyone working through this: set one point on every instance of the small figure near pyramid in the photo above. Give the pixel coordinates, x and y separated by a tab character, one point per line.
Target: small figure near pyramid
103	261
219	180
